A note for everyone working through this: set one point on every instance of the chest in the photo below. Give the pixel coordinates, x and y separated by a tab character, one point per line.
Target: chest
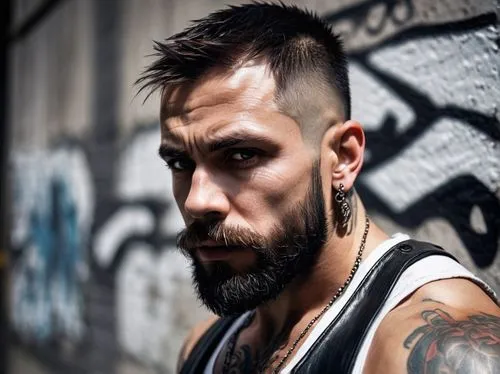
335	349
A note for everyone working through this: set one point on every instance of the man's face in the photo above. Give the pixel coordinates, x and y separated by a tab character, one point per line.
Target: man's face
247	186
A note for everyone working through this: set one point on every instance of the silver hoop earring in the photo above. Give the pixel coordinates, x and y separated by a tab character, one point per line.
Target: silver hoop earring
343	205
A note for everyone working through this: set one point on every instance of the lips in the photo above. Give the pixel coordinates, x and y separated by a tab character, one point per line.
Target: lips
216	253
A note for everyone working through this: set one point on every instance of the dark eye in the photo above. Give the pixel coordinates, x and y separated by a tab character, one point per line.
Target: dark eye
242	155
179	164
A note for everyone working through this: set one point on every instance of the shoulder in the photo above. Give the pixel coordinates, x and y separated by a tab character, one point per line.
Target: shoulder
194	335
445	326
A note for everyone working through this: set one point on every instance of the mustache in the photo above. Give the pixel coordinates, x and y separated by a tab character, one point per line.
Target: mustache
199	231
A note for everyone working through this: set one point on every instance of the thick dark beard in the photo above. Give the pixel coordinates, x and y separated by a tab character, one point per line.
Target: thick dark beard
290	251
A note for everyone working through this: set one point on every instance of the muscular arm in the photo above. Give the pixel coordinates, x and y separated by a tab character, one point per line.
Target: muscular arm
441	329
448	344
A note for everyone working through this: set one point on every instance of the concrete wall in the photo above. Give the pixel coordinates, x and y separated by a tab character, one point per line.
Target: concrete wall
96	285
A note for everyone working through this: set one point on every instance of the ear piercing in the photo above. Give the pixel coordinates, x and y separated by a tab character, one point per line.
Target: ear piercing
345	208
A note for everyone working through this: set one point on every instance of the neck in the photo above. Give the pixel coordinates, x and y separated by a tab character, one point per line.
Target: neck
307	295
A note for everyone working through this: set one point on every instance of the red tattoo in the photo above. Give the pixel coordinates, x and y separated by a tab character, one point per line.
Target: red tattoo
446	345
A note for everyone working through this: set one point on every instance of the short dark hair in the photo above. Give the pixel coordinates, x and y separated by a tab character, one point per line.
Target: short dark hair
293	41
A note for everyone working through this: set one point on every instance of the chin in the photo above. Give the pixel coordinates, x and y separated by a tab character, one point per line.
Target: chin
229	291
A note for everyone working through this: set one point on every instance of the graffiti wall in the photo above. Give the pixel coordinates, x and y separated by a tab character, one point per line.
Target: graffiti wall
52	215
136	243
432	127
96	284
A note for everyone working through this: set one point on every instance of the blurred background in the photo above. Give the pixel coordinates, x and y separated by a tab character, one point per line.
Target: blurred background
91	280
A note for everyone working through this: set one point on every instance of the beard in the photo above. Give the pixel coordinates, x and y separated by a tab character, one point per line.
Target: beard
289	251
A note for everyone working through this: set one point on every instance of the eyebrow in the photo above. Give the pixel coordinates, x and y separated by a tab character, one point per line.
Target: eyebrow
167	151
231	140
222	143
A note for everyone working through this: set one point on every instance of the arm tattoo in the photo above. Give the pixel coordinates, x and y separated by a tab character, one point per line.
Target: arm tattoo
446	345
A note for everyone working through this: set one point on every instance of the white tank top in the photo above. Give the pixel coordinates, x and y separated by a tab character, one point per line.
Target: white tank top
428	269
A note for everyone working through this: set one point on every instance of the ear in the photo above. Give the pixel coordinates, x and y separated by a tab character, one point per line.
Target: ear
348	143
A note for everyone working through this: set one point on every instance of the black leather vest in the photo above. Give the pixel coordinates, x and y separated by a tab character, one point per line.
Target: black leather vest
336	349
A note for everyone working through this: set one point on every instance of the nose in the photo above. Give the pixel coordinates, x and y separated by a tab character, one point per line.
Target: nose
206	197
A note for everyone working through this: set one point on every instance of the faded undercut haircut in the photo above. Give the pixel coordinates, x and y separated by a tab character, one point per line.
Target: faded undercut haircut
300	49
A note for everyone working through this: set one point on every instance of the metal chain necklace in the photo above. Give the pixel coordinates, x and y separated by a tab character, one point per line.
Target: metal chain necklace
311	323
339	292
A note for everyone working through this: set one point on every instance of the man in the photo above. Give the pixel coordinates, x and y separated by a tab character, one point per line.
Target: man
256	129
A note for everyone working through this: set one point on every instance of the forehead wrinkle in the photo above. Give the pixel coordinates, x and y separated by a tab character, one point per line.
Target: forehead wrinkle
185	99
209	125
213	121
197	109
187	111
253	81
171	139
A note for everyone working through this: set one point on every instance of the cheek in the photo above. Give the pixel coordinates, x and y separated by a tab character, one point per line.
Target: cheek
271	195
289	183
282	197
180	190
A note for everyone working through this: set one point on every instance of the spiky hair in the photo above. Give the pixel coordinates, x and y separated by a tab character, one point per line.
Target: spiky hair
293	41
